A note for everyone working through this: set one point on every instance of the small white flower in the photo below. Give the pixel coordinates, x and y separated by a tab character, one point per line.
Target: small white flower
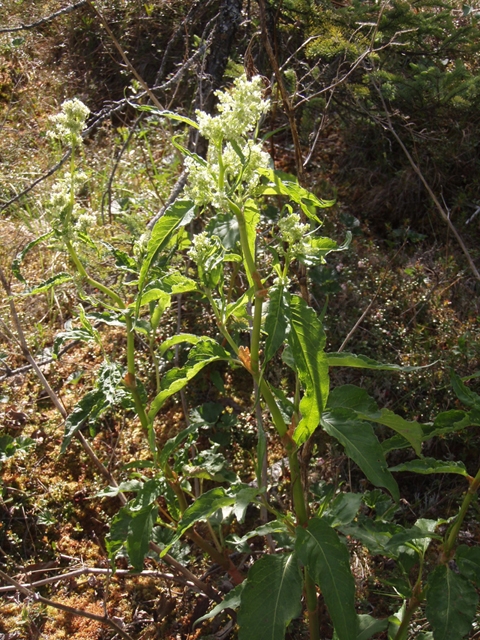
239	111
70	122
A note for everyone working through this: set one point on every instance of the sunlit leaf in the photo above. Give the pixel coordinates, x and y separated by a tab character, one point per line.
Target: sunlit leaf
361	445
307	340
426	466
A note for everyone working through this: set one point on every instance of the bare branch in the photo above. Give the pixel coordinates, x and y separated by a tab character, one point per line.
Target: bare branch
43	177
124	573
445	215
44	20
63	607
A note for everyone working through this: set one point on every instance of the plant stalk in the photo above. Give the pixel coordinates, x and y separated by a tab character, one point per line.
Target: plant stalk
467	499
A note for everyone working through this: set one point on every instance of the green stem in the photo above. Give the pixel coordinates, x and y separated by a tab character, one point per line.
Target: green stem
94	283
413	604
312	607
467	499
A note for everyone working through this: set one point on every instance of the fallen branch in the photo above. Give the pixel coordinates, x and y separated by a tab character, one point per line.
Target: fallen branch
45	20
102	572
63	607
43	177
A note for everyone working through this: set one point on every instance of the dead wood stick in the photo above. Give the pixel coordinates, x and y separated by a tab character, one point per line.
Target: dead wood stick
63	607
45	20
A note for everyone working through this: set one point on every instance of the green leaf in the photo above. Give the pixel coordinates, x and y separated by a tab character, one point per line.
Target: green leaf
327	561
271	598
132	530
177	213
153	295
109	392
361	445
175	283
171	115
274	526
451	604
231	601
468	561
466	396
139	535
449	421
352	397
9	445
202	508
202	354
343	509
243	498
420	535
426	466
17	261
368	626
345	359
276	321
307	340
284	184
173	443
48	284
89	407
190	338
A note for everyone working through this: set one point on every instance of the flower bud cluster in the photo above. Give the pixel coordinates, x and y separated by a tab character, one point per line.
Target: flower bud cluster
239	111
70	122
231	170
294	233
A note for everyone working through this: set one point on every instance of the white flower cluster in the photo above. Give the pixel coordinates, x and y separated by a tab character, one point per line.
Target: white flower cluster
239	111
233	161
239	175
61	193
86	219
70	122
202	245
293	232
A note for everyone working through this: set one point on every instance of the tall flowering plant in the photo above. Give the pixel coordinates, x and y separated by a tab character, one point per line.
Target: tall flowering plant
232	240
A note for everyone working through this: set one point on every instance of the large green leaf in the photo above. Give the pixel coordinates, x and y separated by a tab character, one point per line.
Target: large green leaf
284	184
451	604
271	598
202	354
307	340
345	359
426	466
327	561
276	321
178	212
352	397
468	561
361	445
